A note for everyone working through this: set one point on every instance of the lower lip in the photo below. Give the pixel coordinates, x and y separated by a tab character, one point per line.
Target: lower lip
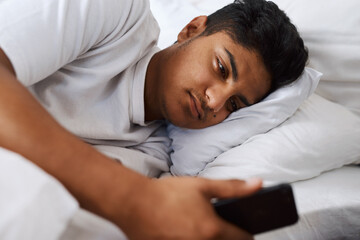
193	110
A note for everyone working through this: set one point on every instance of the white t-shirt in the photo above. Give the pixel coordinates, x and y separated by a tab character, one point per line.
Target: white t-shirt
85	61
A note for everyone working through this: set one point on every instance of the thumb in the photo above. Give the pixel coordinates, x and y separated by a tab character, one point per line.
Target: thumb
231	188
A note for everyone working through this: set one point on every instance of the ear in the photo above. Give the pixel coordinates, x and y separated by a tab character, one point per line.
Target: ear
192	29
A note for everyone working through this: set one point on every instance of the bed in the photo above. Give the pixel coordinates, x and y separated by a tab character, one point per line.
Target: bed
314	145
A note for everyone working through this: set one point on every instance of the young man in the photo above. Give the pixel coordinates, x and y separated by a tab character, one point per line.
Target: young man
75	73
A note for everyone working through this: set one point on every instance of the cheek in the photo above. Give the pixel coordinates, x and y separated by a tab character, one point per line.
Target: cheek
175	107
222	114
195	73
217	117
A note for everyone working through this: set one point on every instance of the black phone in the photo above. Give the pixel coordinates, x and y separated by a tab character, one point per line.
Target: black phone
267	209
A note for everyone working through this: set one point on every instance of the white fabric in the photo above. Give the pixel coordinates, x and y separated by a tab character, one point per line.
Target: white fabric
194	149
331	31
75	58
85	225
33	205
321	136
329	208
173	15
138	161
344	93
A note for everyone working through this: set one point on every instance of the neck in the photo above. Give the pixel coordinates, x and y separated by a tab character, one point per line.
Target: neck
152	104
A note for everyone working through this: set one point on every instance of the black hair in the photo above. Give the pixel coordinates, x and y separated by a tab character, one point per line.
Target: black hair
261	26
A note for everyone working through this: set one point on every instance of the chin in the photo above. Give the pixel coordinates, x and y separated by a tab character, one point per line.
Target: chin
188	125
178	123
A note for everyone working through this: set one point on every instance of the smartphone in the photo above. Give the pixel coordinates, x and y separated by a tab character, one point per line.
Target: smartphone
268	209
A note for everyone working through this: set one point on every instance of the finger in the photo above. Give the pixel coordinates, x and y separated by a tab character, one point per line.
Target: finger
231	188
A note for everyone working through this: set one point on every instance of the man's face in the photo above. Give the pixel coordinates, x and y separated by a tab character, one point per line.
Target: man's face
206	78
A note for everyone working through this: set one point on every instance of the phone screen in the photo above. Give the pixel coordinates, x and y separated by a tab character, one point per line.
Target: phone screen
268	209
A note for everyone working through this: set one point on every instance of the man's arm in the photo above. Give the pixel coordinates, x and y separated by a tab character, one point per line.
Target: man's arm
28	129
143	208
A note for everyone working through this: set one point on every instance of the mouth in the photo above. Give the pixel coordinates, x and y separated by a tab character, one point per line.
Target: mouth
195	107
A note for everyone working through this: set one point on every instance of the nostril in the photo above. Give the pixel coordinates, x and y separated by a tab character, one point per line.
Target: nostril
207	97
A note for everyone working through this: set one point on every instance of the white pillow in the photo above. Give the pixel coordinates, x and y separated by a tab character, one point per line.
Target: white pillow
173	15
331	31
321	136
193	149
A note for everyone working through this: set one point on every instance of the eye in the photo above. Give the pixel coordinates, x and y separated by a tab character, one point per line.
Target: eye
233	105
221	68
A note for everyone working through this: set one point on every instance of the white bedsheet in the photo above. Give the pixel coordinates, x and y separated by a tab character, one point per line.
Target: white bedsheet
34	205
329	207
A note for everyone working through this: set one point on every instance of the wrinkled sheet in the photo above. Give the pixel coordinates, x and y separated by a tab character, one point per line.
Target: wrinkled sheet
329	207
34	205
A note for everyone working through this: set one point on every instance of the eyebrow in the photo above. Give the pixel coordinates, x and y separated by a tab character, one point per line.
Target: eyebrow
233	65
235	75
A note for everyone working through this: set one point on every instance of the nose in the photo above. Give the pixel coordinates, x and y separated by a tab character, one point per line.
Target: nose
217	95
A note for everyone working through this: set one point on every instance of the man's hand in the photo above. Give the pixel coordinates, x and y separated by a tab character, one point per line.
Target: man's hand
179	208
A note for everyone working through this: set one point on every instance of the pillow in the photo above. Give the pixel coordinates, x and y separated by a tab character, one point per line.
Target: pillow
173	15
331	31
193	149
321	136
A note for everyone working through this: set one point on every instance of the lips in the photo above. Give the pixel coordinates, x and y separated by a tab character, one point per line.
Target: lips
195	107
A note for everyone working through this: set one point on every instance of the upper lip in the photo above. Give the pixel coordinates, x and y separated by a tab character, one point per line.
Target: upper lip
198	106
